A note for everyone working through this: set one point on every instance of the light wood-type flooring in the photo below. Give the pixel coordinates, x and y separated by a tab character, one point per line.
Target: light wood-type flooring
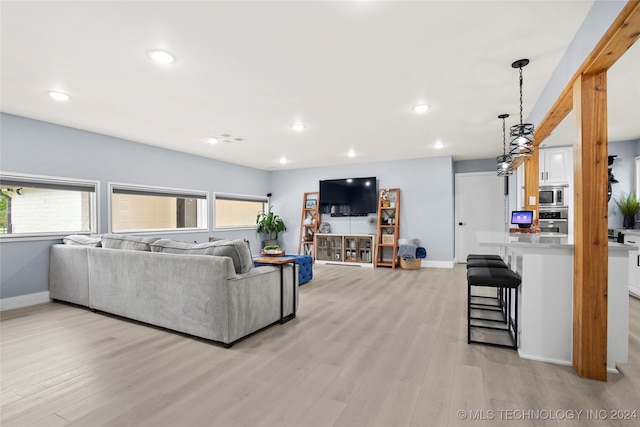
370	347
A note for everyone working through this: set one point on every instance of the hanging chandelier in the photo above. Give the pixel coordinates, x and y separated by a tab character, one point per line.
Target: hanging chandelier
522	133
503	163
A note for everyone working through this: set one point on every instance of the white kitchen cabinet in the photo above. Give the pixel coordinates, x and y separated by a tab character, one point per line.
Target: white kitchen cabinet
633	238
556	166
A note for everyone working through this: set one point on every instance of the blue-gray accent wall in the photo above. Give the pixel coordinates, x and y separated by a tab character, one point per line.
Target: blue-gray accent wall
426	203
477	165
40	148
624	171
35	147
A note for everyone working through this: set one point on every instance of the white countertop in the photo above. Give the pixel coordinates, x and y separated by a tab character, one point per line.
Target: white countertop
536	240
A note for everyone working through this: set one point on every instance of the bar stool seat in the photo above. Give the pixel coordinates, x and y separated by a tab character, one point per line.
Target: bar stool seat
487	263
506	282
483	256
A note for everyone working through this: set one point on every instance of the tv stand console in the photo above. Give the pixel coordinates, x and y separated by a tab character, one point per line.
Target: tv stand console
348	249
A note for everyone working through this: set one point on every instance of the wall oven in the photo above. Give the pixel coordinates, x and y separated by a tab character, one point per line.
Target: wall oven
551	196
554	220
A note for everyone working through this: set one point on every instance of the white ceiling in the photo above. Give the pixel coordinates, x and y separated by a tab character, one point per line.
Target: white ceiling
349	70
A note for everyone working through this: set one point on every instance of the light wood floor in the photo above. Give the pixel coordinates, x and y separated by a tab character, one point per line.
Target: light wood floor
369	347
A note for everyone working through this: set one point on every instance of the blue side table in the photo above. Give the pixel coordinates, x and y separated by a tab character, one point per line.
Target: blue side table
305	267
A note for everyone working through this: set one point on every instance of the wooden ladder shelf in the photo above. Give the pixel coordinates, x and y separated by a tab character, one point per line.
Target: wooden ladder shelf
309	223
388	230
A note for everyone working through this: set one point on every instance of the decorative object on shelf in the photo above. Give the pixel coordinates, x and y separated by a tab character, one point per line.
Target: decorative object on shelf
504	162
522	133
311	203
272	250
270	225
629	207
325	228
384	198
388	239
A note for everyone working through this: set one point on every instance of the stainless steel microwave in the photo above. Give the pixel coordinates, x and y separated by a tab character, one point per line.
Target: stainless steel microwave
551	196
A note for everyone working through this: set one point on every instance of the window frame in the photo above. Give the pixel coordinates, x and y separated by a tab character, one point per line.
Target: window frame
48	180
161	191
238	197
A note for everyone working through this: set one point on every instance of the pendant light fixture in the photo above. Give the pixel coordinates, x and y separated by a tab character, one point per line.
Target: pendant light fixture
503	163
522	133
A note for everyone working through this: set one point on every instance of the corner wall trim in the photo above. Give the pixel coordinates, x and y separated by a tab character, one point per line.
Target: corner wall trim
438	264
24	300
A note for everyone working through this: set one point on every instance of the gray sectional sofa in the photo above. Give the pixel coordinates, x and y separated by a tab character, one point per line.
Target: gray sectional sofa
209	290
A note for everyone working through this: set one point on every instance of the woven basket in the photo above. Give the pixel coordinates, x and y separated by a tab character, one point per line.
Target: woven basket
411	265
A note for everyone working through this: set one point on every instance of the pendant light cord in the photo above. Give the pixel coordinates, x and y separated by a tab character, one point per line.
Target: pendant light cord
504	138
521	80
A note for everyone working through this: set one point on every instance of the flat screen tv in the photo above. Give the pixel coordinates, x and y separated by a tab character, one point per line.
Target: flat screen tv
349	196
522	219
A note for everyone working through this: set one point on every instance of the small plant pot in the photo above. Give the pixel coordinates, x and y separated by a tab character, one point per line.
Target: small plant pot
629	222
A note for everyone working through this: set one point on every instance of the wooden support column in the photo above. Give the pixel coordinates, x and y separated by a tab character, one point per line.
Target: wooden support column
591	240
532	182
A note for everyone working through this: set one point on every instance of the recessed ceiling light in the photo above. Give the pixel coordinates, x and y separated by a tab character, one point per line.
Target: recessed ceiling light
351	153
420	108
161	56
438	145
212	140
59	96
283	161
298	127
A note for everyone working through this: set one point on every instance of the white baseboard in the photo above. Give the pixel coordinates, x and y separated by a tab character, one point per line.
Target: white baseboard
437	264
354	264
559	362
24	301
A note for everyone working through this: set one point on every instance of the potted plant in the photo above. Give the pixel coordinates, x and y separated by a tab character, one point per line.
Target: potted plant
629	207
270	225
392	219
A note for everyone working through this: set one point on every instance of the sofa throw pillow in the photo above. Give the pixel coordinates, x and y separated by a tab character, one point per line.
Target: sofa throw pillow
82	240
131	243
237	250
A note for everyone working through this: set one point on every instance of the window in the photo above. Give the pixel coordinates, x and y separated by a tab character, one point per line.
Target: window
141	208
33	205
235	211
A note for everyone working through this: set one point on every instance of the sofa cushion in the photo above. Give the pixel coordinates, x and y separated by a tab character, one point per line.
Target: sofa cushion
82	240
123	241
237	250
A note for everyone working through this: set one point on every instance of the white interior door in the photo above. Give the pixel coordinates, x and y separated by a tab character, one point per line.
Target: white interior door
480	205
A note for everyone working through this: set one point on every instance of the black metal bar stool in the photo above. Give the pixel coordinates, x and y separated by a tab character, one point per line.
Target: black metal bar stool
504	280
493	303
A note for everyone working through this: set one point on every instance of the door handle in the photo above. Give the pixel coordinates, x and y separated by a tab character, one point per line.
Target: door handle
546	175
461	223
541	176
638	261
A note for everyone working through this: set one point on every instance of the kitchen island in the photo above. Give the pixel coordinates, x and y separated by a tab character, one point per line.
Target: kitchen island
545	264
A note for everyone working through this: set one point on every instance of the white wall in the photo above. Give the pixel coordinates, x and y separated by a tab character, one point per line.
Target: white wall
426	207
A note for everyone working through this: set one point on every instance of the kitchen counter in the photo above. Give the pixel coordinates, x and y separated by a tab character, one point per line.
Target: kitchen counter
537	240
545	264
